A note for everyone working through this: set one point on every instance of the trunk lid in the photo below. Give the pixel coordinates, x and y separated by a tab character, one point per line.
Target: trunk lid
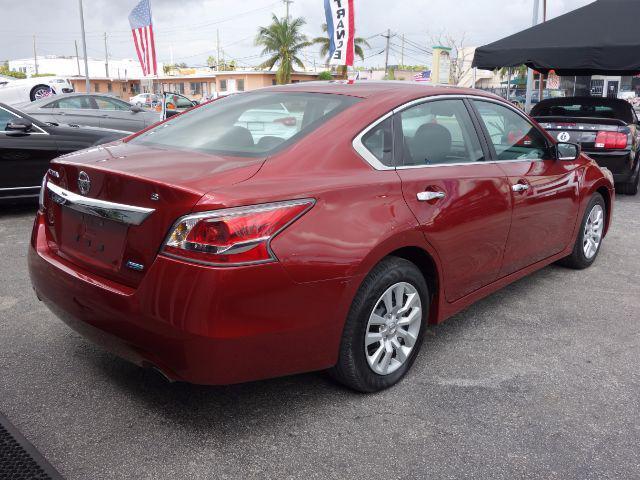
167	181
581	130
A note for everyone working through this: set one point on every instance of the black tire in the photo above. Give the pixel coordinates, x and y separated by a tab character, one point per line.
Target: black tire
36	91
630	188
578	260
352	368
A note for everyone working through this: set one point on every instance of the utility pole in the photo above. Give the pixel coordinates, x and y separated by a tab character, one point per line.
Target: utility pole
218	48
35	55
541	86
402	54
534	21
84	50
386	53
75	42
106	56
287	3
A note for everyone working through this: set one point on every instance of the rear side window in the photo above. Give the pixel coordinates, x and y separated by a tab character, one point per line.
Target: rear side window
379	141
247	124
588	107
71	102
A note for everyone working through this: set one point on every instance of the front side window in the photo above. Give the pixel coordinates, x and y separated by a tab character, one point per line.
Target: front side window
250	124
439	132
512	136
5	118
111	104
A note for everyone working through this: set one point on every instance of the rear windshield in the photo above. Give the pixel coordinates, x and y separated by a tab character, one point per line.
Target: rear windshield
589	107
247	124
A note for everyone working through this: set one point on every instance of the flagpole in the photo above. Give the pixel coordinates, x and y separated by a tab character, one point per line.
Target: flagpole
84	50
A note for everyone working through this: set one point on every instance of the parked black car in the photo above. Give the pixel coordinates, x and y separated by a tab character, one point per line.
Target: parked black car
27	145
606	128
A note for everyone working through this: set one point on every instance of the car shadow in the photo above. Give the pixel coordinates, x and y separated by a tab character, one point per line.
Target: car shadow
262	404
17	209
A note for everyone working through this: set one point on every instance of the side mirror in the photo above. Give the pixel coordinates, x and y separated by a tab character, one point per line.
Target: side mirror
567	151
136	109
19	125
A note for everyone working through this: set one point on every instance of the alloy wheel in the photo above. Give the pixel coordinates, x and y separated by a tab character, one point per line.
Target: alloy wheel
593	229
393	328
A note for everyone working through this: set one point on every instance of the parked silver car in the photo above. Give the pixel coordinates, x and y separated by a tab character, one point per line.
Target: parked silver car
92	110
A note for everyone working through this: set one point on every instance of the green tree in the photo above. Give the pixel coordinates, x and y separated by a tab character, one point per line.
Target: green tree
4	70
284	41
325	45
326	75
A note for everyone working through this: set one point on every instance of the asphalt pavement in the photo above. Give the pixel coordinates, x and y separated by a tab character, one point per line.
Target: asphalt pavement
539	380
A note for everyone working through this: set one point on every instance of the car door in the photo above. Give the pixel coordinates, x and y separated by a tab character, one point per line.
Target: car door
117	115
24	158
462	203
77	110
544	191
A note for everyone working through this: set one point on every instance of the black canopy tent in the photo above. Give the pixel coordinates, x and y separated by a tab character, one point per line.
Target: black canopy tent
601	38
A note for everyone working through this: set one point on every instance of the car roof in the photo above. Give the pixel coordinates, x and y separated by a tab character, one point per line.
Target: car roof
47	100
371	88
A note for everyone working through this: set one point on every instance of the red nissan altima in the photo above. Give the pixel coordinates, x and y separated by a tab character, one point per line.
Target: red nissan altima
307	227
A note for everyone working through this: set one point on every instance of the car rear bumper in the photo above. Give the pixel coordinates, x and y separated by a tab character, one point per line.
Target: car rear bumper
620	164
198	324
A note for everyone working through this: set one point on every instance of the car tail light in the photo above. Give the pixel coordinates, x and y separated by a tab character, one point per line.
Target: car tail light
233	236
611	140
286	121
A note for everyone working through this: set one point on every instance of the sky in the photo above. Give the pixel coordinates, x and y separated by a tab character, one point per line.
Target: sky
187	29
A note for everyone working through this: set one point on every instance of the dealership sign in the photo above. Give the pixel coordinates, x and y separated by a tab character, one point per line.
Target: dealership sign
341	31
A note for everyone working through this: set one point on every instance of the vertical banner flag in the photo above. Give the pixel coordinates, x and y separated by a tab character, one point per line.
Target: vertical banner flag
140	21
341	30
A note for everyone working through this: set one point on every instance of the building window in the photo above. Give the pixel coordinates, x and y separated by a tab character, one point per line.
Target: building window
240	84
223	85
273	82
96	87
196	88
109	87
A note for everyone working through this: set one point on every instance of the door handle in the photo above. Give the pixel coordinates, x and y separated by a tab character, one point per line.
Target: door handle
520	187
428	196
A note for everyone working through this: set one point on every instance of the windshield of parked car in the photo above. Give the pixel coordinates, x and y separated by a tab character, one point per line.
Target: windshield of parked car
248	124
588	107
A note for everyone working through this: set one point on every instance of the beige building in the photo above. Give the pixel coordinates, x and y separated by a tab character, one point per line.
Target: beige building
197	86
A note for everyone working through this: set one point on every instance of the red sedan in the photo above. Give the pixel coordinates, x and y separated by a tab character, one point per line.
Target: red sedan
307	227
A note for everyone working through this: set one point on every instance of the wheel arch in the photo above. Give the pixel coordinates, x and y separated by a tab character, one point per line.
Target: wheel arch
606	195
33	89
429	269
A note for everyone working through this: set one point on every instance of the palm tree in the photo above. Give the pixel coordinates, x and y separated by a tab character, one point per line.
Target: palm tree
325	45
284	41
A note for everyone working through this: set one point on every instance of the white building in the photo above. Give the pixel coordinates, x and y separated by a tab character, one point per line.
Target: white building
71	66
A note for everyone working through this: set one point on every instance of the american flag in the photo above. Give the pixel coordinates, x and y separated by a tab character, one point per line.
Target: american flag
140	21
424	76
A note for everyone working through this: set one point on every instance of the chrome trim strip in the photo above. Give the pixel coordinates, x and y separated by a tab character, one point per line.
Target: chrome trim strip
17	188
364	152
119	212
375	163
